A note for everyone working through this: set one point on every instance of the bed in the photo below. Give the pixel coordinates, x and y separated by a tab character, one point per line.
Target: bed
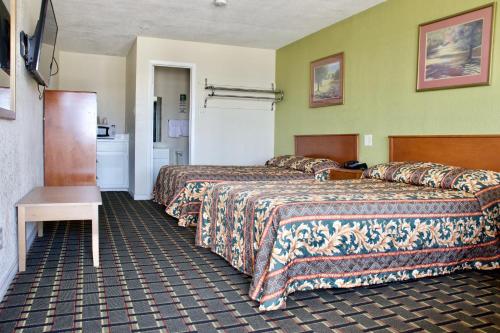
181	188
403	221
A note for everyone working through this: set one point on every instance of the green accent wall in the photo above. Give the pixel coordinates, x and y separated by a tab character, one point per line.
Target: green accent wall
380	47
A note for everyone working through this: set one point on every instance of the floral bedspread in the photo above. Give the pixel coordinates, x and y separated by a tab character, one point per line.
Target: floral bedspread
303	235
181	188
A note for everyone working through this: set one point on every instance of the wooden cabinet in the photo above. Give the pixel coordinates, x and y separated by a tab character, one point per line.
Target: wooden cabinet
339	174
112	164
70	138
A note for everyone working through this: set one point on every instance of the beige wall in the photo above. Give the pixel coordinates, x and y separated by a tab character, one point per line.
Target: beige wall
228	131
130	86
21	151
102	74
54	80
169	84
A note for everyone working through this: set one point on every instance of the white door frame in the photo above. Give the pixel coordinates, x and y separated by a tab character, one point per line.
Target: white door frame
192	107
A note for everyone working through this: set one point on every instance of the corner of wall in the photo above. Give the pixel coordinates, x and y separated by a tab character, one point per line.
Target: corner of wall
21	151
130	105
54	81
11	270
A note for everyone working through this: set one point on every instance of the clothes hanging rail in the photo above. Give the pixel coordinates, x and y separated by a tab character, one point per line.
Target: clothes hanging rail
278	95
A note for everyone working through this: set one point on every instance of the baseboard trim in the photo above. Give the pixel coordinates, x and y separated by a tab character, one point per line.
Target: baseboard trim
118	189
142	197
11	274
12	270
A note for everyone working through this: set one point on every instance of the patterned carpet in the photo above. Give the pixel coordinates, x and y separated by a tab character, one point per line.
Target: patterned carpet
153	279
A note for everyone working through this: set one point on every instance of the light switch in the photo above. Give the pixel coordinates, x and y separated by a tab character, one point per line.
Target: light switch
368	140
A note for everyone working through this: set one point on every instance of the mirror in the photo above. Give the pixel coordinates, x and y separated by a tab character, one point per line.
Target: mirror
157	119
7	65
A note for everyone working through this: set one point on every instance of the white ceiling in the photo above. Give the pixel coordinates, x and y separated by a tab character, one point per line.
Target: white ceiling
110	26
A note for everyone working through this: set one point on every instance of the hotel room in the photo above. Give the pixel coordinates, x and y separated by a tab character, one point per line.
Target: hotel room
249	166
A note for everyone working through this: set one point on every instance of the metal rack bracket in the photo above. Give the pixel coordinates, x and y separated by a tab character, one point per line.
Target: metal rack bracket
278	95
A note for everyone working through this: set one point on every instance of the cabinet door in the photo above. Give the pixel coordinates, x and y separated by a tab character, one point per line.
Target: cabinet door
112	171
70	138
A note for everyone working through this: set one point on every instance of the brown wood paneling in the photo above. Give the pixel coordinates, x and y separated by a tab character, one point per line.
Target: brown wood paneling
70	138
341	174
338	147
468	151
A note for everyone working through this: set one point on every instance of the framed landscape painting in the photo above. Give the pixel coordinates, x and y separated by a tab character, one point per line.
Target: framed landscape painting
456	51
327	81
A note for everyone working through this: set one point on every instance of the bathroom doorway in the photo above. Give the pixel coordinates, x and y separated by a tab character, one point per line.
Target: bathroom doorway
172	116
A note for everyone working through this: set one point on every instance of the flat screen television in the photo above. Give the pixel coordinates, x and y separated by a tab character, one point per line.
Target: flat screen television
39	48
4	38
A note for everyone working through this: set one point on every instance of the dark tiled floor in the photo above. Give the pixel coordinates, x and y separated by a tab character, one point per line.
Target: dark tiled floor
153	278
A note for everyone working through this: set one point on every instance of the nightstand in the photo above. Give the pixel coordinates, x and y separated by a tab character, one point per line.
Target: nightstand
338	174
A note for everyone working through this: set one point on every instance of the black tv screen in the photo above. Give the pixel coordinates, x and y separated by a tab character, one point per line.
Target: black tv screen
43	44
4	38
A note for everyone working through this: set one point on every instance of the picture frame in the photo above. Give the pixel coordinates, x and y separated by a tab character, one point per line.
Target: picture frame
326	85
456	51
8	78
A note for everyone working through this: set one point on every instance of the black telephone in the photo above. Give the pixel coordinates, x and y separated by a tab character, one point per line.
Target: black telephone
355	165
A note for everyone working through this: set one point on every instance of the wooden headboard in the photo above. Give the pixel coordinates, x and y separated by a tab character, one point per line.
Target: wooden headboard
467	151
338	147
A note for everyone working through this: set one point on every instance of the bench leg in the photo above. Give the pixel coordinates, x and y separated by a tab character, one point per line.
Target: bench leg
95	235
40	229
21	238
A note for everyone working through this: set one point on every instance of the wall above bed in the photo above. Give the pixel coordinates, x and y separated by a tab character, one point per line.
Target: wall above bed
228	132
380	47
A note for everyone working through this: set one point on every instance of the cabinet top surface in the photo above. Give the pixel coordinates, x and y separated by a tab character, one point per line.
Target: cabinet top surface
62	195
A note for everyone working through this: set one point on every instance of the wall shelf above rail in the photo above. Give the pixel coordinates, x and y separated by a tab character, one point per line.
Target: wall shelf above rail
256	94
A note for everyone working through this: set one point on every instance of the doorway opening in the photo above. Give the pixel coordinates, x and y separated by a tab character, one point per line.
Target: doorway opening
172	116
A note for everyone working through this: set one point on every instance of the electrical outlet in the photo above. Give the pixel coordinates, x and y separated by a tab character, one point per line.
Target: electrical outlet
368	140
